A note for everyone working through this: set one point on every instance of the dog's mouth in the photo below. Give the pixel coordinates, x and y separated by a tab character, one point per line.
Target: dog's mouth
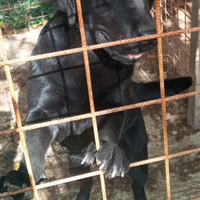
125	58
127	54
131	57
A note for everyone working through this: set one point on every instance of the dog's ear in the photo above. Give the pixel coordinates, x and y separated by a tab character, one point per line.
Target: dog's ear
151	2
68	7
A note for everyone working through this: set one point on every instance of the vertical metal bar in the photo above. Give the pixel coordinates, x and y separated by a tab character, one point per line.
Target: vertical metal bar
186	49
162	89
185	7
167	39
178	25
17	115
172	29
90	92
42	11
27	16
178	44
11	15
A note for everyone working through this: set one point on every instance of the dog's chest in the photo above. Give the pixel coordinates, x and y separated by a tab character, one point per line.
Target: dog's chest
74	136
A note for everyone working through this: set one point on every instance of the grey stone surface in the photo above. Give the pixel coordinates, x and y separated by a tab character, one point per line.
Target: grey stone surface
194	102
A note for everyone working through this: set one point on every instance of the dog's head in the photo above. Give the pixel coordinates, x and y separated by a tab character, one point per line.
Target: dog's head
111	20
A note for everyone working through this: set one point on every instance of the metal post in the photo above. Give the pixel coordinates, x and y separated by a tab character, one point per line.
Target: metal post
194	102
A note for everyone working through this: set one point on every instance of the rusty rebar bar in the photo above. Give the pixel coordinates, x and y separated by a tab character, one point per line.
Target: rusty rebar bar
17	116
98	46
96	173
90	92
162	92
98	113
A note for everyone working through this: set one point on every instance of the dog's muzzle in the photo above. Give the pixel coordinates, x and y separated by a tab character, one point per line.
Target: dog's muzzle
126	53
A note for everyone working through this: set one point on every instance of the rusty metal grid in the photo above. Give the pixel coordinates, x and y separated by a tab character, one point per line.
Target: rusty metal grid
93	114
176	15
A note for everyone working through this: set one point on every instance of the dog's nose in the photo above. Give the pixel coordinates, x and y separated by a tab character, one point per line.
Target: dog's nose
147	32
147	43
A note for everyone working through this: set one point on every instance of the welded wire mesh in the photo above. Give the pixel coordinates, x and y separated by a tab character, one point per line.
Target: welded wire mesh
23	15
164	30
176	15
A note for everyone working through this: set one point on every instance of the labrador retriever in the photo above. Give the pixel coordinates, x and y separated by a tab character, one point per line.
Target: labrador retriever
57	88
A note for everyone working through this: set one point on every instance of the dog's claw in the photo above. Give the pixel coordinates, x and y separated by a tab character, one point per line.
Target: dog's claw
114	172
6	184
98	162
89	153
102	165
83	161
24	185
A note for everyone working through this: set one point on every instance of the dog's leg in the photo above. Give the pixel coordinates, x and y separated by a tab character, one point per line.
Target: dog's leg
138	186
110	157
38	142
76	168
134	144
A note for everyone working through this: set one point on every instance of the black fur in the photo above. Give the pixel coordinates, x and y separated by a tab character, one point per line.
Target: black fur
57	88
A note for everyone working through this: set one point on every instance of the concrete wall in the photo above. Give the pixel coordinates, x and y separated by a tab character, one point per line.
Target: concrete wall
194	102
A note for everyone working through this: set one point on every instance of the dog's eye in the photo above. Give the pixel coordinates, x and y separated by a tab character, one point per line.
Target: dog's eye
102	36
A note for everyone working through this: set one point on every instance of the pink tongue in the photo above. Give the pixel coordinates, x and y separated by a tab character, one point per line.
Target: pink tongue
135	56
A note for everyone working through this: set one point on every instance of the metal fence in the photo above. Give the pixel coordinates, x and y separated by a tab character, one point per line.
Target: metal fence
23	15
176	15
161	36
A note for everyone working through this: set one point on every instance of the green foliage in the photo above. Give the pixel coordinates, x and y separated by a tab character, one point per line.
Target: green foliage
24	12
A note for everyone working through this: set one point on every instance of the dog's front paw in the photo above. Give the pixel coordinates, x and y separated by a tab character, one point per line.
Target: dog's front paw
13	181
112	160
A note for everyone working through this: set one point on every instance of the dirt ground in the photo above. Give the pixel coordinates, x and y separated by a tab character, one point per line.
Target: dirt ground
184	171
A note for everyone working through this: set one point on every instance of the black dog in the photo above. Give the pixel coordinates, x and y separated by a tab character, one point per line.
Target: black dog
57	88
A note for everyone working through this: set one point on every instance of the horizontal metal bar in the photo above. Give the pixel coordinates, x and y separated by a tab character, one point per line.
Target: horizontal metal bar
98	46
96	173
98	113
